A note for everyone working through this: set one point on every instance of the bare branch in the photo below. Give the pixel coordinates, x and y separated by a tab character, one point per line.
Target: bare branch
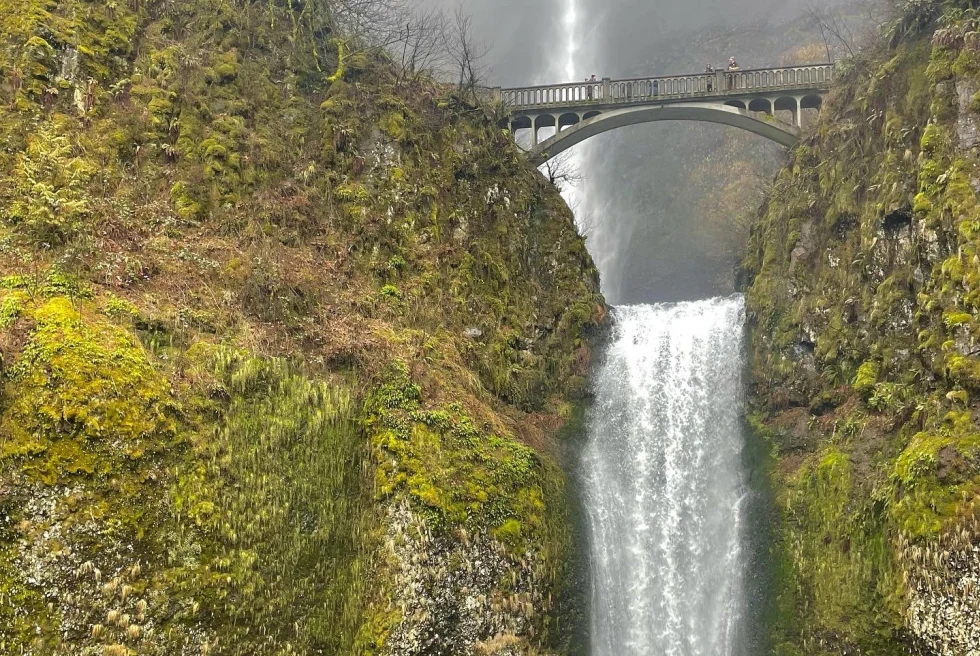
421	48
467	54
373	23
587	225
562	171
849	30
833	31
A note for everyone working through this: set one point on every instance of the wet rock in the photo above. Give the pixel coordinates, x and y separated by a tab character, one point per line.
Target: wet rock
804	245
466	592
967	129
944	593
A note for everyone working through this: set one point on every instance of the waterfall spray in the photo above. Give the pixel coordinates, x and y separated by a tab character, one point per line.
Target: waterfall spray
664	482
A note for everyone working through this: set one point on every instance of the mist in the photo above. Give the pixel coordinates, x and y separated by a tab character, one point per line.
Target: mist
664	205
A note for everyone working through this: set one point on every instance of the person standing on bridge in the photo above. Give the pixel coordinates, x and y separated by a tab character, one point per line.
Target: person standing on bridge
591	88
732	82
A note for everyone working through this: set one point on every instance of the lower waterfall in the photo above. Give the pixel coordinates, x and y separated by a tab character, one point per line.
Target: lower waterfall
665	486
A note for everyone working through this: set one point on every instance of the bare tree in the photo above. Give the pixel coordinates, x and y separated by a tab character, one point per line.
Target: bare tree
421	48
370	23
467	55
562	171
586	224
848	29
834	31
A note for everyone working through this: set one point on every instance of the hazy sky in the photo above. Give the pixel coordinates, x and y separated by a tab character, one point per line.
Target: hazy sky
519	33
527	36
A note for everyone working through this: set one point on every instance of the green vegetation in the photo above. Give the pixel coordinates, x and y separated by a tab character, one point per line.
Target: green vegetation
259	304
864	312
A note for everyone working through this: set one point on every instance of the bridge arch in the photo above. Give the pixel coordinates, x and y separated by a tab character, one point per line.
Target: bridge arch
544	121
811	101
754	100
763	105
521	123
709	112
567	119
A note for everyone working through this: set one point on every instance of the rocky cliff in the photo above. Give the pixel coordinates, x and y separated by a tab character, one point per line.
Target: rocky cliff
286	343
863	273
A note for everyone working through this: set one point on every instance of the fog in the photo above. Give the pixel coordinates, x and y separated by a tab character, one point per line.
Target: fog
657	201
519	34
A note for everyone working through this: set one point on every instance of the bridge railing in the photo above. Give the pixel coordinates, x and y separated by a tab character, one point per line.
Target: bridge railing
797	77
717	83
555	94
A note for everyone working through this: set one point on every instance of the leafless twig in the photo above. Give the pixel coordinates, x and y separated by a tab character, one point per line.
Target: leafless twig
422	46
467	54
562	170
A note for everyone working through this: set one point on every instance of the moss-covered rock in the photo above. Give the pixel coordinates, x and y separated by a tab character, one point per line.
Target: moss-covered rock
862	273
285	344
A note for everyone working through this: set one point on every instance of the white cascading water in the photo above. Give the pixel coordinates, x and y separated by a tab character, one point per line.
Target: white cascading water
664	482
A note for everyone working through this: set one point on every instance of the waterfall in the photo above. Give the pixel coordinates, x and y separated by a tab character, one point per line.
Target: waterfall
664	482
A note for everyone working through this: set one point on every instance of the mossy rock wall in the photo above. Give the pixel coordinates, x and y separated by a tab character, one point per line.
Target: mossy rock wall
286	343
863	269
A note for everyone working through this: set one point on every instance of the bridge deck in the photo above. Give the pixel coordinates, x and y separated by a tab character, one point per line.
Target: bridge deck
718	85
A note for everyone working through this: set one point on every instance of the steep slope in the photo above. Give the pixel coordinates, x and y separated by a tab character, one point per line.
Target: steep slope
863	272
286	343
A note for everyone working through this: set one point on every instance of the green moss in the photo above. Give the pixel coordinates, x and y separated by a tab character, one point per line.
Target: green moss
341	62
113	306
81	387
866	378
509	533
455	473
226	69
393	124
932	477
85	421
953	319
194	195
11	308
390	291
351	193
295	535
836	556
185	205
889	310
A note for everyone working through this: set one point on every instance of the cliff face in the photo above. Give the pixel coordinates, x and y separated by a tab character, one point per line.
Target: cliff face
864	268
286	342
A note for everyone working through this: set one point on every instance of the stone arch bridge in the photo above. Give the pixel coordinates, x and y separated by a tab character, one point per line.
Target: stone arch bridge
754	100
